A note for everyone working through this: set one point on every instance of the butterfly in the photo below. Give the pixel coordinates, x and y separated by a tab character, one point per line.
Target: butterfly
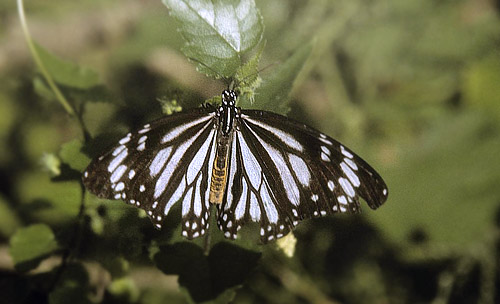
255	166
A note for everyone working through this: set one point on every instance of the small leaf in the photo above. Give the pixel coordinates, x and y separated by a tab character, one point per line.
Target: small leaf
9	220
42	89
31	244
275	90
125	290
217	32
51	164
72	155
247	78
169	106
67	73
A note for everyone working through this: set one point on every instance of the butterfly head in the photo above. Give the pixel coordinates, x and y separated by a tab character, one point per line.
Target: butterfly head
229	98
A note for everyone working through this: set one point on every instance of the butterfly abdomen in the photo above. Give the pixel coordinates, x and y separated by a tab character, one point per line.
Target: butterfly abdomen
219	171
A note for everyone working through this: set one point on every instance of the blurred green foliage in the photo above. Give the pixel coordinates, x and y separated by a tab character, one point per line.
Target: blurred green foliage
412	86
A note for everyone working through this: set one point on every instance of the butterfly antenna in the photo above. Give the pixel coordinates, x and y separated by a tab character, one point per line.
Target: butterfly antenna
226	80
259	71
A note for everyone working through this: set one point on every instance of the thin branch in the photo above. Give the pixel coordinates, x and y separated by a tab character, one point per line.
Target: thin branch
36	57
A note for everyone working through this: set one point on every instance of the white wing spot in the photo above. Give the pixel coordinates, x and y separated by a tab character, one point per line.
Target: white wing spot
184	233
155	204
253	168
142	188
229	224
196	234
194	226
283	136
198	160
350	174
346	185
351	163
118	150
117	160
326	141
316	213
384	192
181	129
159	161
326	150
227	234
145	129
85	174
141	147
314	197
331	185
323	212
120	186
142	139
131	174
117	174
345	152
118	196
342	200
325	157
300	168
125	140
254	208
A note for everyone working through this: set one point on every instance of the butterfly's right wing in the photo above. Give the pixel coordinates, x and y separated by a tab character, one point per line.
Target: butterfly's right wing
168	160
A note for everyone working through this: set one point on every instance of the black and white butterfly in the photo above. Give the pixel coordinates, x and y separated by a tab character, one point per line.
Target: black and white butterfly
254	165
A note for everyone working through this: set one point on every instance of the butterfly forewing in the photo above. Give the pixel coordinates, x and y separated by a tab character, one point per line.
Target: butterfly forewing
153	168
331	155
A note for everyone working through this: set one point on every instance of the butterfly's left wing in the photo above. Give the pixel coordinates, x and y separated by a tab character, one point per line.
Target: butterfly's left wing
167	161
282	172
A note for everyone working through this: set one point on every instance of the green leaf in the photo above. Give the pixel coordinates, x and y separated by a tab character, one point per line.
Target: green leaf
48	201
125	290
217	33
28	246
67	73
207	278
71	154
9	221
275	90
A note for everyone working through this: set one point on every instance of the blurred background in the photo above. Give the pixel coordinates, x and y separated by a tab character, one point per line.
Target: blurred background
413	86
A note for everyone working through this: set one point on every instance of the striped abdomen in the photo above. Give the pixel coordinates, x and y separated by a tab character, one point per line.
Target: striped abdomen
219	171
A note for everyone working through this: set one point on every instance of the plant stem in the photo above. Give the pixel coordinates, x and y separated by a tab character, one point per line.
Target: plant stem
59	96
